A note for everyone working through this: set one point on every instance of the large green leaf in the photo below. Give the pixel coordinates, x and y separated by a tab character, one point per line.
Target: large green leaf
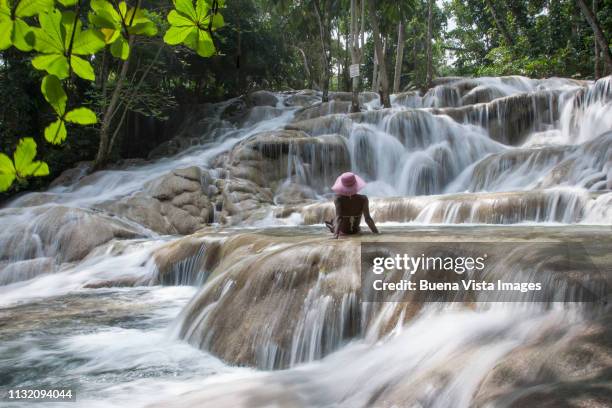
7	172
15	31
120	48
186	7
54	38
28	8
176	35
6	32
24	160
50	36
56	133
82	116
191	26
22	165
54	64
54	94
22	36
112	20
82	68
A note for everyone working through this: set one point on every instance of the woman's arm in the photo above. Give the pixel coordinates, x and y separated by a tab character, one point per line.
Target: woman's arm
368	217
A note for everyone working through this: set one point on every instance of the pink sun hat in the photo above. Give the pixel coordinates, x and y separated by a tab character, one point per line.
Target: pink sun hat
348	184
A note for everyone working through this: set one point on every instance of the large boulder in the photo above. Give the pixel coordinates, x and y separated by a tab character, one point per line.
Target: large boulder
66	233
177	203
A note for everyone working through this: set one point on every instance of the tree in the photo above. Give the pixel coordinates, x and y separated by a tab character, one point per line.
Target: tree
323	13
399	56
356	31
380	56
598	33
428	43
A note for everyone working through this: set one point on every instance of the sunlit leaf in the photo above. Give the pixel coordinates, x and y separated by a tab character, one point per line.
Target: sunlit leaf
81	116
28	8
82	68
54	94
23	157
54	64
120	48
22	36
56	133
191	26
7	172
54	40
176	35
6	33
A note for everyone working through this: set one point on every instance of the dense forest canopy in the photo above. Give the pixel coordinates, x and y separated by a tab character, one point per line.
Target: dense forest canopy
142	67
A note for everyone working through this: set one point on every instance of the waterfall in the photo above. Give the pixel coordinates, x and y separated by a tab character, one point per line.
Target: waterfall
205	274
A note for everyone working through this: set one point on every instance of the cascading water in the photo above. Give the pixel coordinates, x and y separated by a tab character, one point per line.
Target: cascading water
112	284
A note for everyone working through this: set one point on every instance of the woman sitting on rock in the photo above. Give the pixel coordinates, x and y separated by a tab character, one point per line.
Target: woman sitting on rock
350	206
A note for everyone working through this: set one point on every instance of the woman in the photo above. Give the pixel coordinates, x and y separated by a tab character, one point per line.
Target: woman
350	206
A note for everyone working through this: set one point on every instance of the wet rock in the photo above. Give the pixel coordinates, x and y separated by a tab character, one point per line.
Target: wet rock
25	270
68	233
262	98
176	203
303	98
554	371
323	109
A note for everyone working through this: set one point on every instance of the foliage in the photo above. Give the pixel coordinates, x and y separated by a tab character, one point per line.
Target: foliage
193	26
22	165
64	50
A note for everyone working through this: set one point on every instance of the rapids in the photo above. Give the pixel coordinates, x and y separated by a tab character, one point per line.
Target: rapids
203	276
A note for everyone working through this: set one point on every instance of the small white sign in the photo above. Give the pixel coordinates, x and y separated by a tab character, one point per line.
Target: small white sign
354	70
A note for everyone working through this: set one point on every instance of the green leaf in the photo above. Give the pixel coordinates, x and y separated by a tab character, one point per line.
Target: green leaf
6	32
56	133
186	7
24	156
22	36
191	26
144	28
67	3
54	64
7	172
120	48
179	20
201	42
50	36
28	8
218	21
25	153
81	116
176	35
82	68
53	41
87	42
54	94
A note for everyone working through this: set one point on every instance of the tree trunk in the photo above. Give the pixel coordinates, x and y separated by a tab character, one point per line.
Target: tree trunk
325	42
355	54
596	73
599	35
428	44
105	135
384	80
306	68
399	57
501	25
375	72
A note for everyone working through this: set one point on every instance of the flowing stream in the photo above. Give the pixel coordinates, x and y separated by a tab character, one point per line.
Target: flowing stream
204	276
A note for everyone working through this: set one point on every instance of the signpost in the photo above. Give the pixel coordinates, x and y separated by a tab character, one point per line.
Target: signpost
354	70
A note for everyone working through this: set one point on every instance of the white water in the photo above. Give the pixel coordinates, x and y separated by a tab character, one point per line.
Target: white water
118	349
